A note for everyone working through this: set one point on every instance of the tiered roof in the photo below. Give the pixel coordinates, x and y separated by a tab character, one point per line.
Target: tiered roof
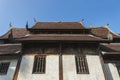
99	34
60	36
103	32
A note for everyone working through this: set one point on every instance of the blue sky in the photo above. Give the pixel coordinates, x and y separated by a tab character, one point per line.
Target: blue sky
95	12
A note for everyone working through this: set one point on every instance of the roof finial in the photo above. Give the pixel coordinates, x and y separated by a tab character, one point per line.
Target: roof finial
107	25
27	25
10	25
81	21
35	20
10	36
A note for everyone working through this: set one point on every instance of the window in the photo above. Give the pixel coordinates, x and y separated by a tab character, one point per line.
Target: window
118	68
81	65
4	68
39	65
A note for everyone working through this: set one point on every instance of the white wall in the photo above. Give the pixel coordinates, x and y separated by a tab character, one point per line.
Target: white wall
52	68
112	71
69	68
94	65
11	70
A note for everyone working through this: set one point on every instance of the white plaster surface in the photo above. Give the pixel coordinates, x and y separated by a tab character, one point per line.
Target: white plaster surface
52	68
11	70
94	65
112	72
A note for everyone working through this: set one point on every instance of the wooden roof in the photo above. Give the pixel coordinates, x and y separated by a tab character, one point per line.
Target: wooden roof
58	25
60	37
17	33
99	32
112	47
110	52
10	48
103	32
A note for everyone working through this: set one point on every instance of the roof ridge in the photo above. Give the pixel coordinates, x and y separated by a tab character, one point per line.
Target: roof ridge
18	28
59	25
4	34
97	27
112	32
9	44
56	35
96	37
59	21
110	44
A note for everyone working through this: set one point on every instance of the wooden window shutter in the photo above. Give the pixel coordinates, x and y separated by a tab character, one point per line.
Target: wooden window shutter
39	65
81	65
4	68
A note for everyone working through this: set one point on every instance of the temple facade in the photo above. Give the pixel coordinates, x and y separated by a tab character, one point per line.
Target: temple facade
60	51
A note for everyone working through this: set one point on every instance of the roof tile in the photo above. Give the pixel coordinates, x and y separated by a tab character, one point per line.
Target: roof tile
58	25
113	47
103	32
17	33
71	37
10	48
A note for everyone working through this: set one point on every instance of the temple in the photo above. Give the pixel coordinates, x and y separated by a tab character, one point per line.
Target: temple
60	51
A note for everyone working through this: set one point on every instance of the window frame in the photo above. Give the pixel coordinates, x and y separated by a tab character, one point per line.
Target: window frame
5	66
37	64
81	64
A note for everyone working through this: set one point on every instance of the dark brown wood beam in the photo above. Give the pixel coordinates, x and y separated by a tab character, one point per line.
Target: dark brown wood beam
60	64
60	68
17	68
103	67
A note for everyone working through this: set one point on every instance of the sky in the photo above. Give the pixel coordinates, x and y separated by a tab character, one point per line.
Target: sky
94	12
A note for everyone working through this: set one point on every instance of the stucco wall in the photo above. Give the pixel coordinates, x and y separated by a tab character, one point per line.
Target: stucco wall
11	70
112	72
94	65
52	68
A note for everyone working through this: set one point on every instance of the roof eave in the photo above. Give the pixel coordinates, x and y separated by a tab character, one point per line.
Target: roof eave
98	41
